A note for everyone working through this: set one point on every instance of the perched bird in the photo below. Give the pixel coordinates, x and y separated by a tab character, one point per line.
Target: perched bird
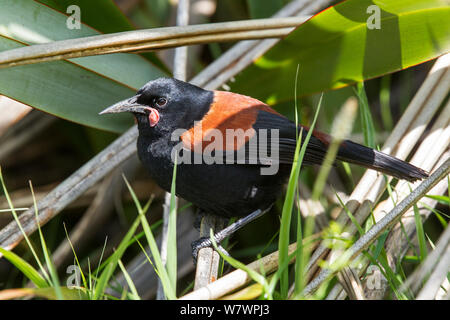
201	127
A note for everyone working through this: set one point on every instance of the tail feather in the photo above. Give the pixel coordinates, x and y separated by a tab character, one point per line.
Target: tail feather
379	161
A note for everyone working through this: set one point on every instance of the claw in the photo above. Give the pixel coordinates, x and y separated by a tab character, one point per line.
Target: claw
203	242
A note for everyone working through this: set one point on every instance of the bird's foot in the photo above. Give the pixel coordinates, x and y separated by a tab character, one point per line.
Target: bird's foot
204	242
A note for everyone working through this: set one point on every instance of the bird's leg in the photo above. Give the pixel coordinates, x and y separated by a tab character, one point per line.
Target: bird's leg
206	242
202	214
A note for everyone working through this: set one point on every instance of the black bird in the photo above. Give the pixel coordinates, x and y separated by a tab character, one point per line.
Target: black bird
180	120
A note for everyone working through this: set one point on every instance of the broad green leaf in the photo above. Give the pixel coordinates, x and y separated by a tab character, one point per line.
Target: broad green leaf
336	48
65	90
111	20
33	23
75	90
152	13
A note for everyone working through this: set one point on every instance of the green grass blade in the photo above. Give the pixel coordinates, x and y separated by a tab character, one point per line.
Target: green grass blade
239	265
162	271
299	260
286	214
366	117
441	199
48	260
420	234
106	274
76	258
350	215
132	241
27	239
29	272
134	295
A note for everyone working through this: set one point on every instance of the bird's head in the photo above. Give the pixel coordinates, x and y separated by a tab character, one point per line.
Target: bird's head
165	104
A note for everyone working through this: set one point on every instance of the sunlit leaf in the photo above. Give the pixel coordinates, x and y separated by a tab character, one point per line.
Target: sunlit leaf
336	48
75	90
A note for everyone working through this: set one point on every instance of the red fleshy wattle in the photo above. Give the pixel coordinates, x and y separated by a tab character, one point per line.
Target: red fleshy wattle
153	117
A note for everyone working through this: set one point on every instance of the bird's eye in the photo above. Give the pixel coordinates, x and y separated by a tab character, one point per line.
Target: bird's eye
160	102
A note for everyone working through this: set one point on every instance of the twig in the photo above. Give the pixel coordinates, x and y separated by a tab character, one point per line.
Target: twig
430	152
208	259
392	217
181	53
236	279
349	278
150	39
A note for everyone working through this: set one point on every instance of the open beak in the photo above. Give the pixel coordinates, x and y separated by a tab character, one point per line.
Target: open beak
127	105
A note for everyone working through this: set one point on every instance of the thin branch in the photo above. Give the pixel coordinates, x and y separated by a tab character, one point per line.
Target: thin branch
207	268
349	278
181	53
150	39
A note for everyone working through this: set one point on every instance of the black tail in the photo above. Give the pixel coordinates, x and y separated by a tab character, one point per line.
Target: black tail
379	161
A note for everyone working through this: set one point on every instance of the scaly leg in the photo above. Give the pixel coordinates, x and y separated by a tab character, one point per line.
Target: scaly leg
206	242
